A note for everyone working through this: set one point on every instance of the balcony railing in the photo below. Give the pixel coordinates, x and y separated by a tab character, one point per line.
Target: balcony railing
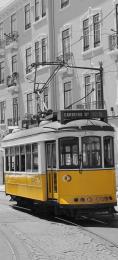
91	105
12	121
11	37
2	43
113	41
12	80
2	48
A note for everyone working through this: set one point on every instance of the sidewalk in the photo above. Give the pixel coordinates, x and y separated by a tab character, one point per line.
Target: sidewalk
2	188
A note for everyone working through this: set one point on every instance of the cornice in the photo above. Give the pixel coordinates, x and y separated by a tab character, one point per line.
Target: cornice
10	8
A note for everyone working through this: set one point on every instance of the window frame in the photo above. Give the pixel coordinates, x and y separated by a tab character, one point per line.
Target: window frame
70	141
90	149
29	103
112	152
1	31
2	71
28	59
86	38
98	91
66	43
15	111
69	97
96	30
44	49
88	88
14	63
37	51
37	10
27	16
2	111
21	150
13	23
43	11
64	3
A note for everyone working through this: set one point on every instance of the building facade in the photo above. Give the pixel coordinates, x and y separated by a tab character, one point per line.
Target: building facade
34	33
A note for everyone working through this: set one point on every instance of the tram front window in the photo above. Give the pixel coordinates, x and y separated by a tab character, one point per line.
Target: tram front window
108	152
68	152
91	152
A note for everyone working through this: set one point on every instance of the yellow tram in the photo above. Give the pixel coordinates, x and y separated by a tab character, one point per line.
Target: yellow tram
67	166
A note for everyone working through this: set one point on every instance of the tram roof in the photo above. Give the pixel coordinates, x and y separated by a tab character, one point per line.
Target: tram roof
47	127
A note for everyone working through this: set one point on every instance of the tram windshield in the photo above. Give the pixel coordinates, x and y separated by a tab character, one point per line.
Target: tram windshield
91	152
108	152
69	152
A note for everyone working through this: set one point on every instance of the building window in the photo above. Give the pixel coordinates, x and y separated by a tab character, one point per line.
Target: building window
27	17
1	32
64	3
88	96
37	104
1	72
37	13
67	95
46	96
117	22
28	60
29	104
86	34
43	8
99	100
66	43
44	54
2	112
14	64
37	52
15	111
96	26
13	23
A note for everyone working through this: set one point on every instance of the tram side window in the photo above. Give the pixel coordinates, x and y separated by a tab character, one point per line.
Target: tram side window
34	157
28	157
17	158
108	152
7	158
12	159
22	157
91	152
68	152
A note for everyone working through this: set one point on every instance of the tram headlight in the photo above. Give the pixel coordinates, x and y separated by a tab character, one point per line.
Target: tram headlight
67	178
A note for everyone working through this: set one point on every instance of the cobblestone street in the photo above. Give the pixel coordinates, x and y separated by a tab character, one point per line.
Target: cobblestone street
34	238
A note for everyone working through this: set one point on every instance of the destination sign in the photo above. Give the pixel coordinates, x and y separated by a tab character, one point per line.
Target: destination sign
65	116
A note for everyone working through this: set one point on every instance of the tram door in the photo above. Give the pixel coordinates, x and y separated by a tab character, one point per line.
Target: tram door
51	170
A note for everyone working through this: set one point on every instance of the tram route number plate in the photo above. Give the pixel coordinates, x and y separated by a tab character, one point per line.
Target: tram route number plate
68	115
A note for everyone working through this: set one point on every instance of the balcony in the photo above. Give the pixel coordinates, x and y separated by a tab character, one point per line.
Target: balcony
30	121
12	82
113	44
2	48
12	121
12	40
91	105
